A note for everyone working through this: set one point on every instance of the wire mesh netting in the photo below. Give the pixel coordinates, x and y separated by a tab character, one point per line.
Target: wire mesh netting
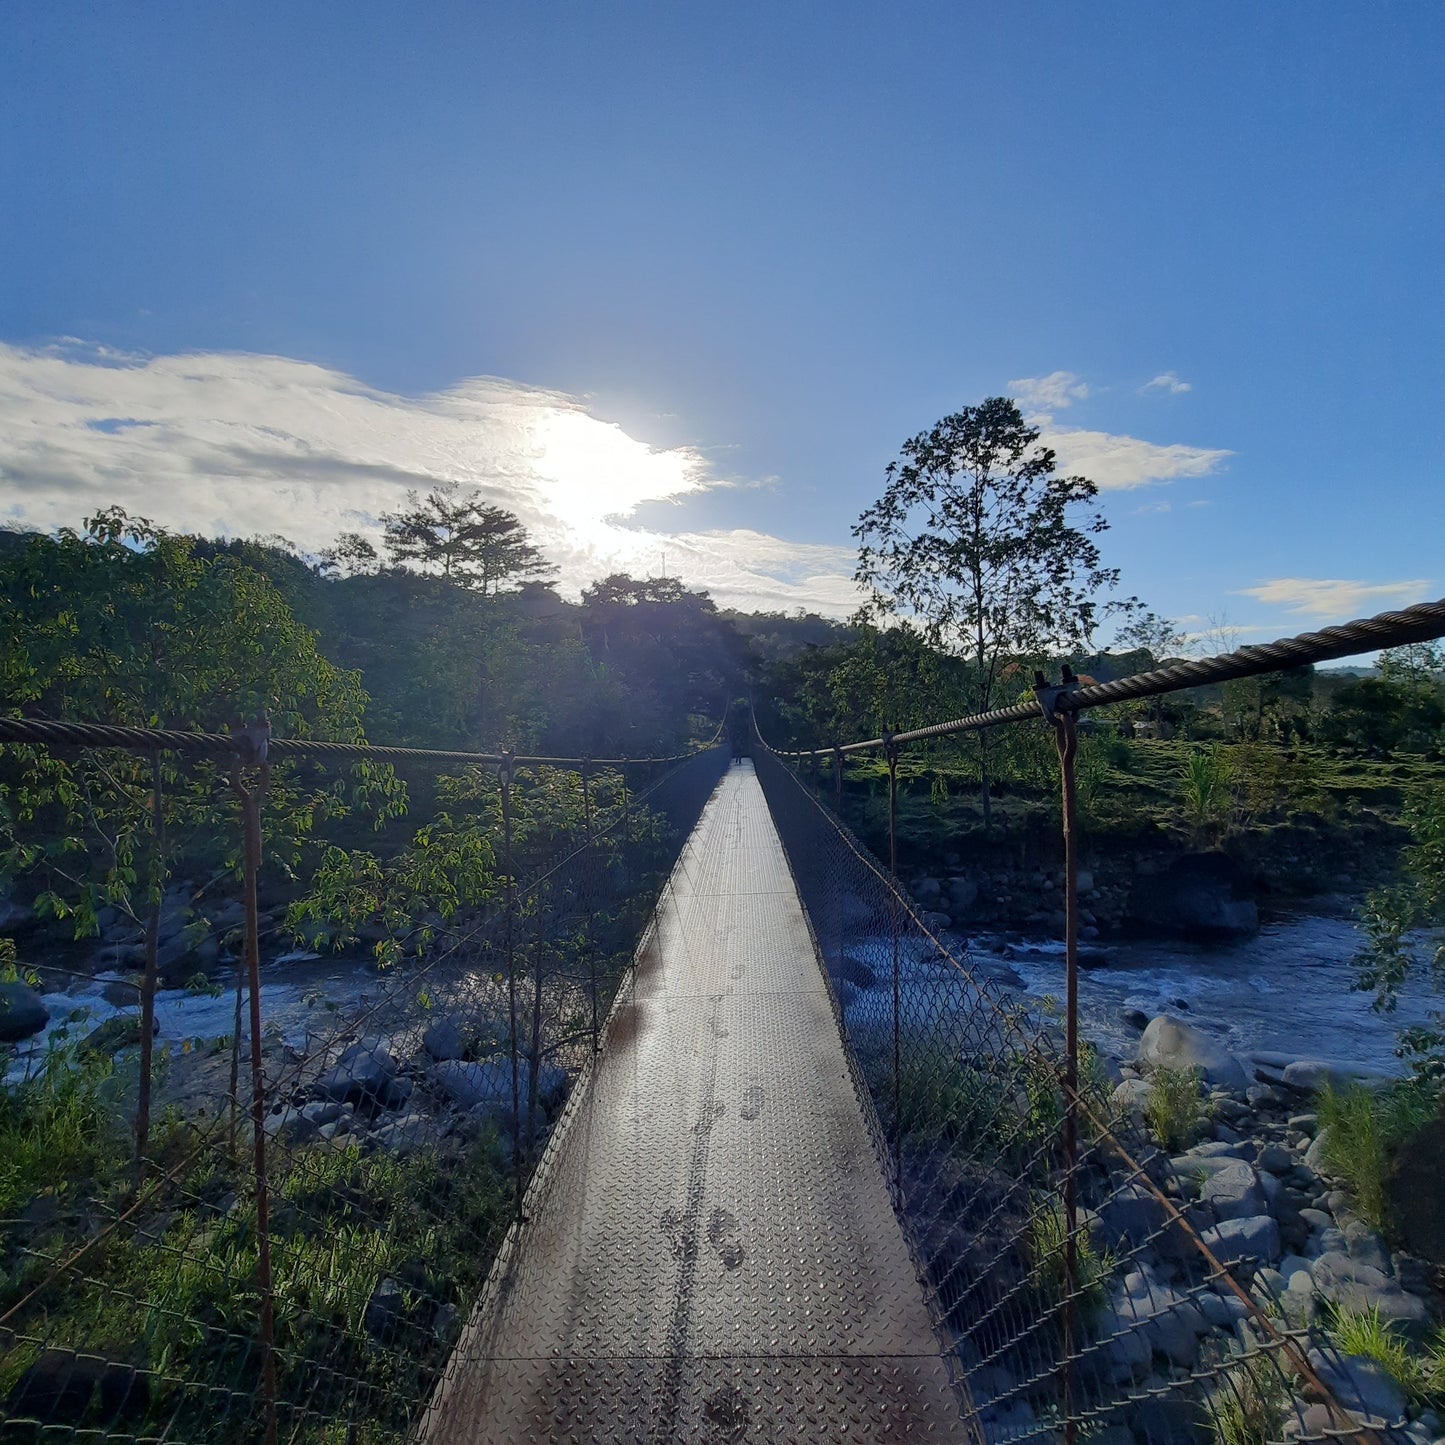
400	1131
1161	1315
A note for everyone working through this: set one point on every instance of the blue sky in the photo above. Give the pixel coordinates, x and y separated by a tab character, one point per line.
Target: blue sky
720	261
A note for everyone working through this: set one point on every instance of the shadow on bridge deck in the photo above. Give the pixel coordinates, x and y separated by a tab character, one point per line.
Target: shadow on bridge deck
710	1252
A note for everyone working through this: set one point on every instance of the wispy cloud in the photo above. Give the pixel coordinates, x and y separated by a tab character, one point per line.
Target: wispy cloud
1334	597
1121	463
1054	392
239	445
1167	381
1117	463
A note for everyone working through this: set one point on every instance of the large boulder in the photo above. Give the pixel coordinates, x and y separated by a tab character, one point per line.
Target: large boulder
1234	1192
22	1012
1170	1321
1309	1076
1201	895
1170	1043
1355	1285
364	1071
1130	1218
1360	1384
1415	1190
121	1032
484	1088
1254	1239
444	1040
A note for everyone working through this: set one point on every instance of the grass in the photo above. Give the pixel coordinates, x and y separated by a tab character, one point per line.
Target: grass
1419	1372
58	1127
1046	1241
1249	1406
1175	1108
174	1293
1365	1126
1204	790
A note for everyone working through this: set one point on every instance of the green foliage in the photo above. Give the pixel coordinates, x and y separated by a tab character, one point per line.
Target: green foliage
1365	1126
1420	1372
126	623
1175	1108
975	538
1046	1241
177	1296
1205	788
457	534
1249	1406
58	1128
1377	716
1394	917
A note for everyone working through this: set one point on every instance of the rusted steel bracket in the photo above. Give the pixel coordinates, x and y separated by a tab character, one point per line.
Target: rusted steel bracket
1049	695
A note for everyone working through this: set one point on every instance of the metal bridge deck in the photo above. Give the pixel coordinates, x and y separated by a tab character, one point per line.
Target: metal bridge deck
710	1253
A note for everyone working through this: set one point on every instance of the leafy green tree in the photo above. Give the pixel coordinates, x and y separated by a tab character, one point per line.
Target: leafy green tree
465	539
350	555
126	623
975	538
1161	639
1402	926
675	654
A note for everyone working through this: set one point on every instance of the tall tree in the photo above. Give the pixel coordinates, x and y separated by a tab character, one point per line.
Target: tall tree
974	538
1160	638
467	540
126	623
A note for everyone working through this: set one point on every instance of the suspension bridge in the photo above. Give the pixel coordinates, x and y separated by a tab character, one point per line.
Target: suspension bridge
813	1179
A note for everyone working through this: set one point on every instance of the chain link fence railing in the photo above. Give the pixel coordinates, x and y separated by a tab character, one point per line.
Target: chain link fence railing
1161	1315
336	1151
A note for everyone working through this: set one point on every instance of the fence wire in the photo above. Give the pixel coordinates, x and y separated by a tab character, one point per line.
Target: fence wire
400	1132
1155	1342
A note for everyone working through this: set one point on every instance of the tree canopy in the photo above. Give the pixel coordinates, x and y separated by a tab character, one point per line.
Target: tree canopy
454	532
979	540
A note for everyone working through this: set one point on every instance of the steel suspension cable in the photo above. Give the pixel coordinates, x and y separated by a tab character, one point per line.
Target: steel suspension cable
1423	622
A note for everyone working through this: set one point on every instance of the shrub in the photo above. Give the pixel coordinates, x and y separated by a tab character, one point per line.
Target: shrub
1205	786
1175	1107
1249	1406
1421	1374
1046	1241
1364	1127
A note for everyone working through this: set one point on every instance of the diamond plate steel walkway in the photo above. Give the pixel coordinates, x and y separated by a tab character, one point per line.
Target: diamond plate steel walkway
709	1253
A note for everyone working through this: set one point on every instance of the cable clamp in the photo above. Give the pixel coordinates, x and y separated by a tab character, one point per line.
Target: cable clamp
1049	695
251	740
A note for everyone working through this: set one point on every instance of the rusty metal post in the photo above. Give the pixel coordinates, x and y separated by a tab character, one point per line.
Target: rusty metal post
509	914
626	819
1066	739
839	890
250	799
148	980
588	874
890	751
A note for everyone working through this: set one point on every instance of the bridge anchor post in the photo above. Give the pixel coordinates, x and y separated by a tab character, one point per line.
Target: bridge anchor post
1064	722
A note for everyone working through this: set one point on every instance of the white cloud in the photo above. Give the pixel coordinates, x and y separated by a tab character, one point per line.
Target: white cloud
1166	381
1335	598
1115	462
1121	463
240	445
1054	392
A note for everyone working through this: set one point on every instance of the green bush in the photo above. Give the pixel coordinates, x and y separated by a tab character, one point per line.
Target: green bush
1419	1372
1249	1407
1205	786
1175	1108
1046	1241
1364	1126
